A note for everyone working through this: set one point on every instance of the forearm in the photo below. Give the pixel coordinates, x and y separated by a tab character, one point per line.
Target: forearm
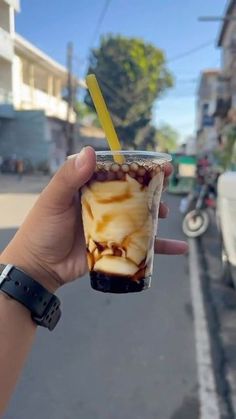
17	329
17	332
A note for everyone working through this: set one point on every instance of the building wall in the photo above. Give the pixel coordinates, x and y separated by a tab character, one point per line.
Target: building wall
17	81
34	80
58	144
5	77
230	34
5	16
207	97
35	87
25	136
207	138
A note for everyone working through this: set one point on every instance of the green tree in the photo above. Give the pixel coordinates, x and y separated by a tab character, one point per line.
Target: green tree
167	138
85	113
132	75
227	154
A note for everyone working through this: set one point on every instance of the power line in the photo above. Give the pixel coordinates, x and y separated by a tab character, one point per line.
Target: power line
186	81
190	51
99	22
95	33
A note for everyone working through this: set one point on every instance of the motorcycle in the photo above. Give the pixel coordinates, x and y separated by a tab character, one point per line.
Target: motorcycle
196	215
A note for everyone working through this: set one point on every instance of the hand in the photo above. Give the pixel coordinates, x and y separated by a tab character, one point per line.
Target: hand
50	244
164	246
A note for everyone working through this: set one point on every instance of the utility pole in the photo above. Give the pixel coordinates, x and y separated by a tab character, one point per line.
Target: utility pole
70	99
225	18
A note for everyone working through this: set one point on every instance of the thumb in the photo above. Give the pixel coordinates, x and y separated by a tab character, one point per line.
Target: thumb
74	173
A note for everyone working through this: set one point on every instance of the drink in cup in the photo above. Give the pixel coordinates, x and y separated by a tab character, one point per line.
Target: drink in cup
120	211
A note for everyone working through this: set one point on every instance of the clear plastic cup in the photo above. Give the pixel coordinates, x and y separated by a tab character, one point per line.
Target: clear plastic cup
120	212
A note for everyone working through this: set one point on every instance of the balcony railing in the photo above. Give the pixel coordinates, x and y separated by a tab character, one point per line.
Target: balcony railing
31	98
6	45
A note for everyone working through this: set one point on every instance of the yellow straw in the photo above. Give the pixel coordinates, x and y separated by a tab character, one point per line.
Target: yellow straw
104	116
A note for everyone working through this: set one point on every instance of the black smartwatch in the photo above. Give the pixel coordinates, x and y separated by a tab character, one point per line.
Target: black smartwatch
44	306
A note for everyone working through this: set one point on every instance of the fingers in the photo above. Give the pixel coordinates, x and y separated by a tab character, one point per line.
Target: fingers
74	173
170	247
168	169
165	183
163	210
164	246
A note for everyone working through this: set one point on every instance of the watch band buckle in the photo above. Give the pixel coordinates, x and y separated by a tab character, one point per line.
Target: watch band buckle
5	273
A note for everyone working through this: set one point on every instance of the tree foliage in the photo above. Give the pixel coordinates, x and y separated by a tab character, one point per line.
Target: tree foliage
86	114
167	138
132	75
227	156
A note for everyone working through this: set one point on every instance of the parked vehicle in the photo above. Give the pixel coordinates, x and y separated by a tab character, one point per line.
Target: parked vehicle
183	177
197	205
226	220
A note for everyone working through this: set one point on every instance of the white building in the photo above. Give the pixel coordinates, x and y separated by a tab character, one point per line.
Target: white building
207	136
33	114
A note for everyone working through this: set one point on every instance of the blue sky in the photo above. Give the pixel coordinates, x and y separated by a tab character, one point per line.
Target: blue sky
171	25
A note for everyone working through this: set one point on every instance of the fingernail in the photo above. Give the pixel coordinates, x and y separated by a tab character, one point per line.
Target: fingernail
81	159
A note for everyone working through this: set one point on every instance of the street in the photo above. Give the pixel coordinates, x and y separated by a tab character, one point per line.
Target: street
112	356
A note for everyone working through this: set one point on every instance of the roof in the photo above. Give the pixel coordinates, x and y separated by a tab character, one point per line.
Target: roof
14	3
205	74
228	12
25	47
205	78
211	72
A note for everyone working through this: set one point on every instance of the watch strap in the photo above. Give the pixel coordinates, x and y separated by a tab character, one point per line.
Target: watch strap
43	305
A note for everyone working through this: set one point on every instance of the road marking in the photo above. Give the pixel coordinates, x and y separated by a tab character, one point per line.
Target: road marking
209	402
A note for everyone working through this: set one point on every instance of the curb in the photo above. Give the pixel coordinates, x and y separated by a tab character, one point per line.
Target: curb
208	397
220	311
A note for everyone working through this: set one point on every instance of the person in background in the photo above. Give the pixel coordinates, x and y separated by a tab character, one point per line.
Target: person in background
20	168
48	251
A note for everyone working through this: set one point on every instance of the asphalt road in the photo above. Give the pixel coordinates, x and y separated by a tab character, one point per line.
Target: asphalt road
116	357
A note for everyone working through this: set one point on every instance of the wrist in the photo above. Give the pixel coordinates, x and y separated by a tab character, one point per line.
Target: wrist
43	305
33	268
16	307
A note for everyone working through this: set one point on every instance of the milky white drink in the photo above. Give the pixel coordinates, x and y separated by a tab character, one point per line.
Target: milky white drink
120	207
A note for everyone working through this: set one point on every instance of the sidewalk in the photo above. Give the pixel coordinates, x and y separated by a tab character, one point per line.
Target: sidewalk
223	301
17	197
28	184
